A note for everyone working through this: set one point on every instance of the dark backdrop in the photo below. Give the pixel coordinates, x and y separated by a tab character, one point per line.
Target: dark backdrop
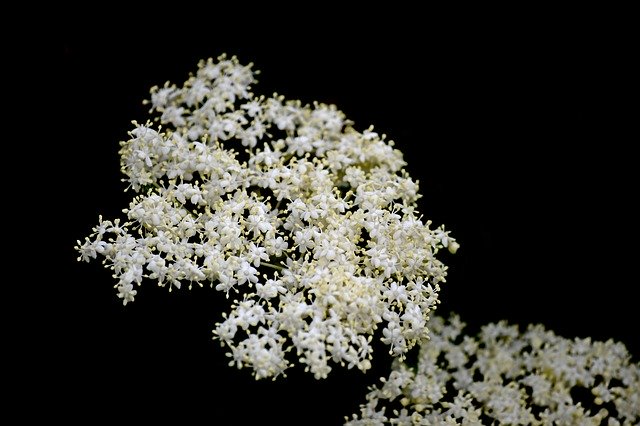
511	141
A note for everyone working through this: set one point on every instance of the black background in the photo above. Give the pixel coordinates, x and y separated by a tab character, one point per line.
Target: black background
511	137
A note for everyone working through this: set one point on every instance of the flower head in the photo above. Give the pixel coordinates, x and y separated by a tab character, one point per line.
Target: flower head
507	377
309	226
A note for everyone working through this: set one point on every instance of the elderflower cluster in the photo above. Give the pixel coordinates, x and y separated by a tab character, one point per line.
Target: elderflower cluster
507	377
309	224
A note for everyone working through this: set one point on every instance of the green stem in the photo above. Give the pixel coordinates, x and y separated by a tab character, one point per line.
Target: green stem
271	265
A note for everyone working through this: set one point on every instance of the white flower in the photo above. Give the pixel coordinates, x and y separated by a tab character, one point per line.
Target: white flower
396	293
310	224
256	254
304	239
126	293
88	249
160	97
246	272
253	108
269	289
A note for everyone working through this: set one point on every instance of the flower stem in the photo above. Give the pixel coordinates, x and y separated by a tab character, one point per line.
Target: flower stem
271	265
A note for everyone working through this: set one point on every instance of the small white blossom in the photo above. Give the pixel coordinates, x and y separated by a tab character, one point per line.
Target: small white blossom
126	293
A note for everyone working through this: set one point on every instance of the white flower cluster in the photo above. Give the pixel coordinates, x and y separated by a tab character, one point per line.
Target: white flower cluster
308	222
507	377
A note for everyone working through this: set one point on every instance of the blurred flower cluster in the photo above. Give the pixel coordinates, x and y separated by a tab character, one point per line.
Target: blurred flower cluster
505	376
307	225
